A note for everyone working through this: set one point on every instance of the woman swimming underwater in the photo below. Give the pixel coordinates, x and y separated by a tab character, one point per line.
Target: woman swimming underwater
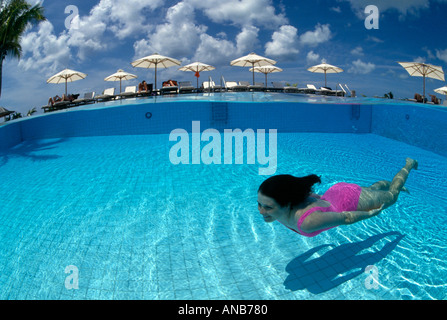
290	201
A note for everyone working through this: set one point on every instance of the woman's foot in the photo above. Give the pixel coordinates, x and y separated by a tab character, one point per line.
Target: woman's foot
411	164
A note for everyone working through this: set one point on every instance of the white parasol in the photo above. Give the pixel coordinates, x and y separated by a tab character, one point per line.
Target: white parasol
155	61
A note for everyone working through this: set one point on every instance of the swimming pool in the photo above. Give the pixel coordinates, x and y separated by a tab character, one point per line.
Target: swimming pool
101	197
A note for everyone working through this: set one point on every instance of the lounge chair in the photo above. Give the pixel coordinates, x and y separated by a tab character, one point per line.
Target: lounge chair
245	85
61	104
169	89
326	91
343	91
259	86
291	89
129	92
207	86
417	98
234	86
88	98
57	106
310	89
108	94
148	92
329	92
48	108
229	85
210	86
185	87
279	87
242	86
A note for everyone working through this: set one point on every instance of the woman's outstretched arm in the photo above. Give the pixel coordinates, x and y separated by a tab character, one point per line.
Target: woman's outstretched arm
356	216
321	220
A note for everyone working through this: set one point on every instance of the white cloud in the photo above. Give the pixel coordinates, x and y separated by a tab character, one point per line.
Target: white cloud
241	12
336	9
430	54
216	51
358	51
87	37
179	36
247	40
195	42
41	49
404	76
130	15
312	57
374	39
441	55
419	59
284	43
404	7
360	67
142	48
321	34
123	17
109	19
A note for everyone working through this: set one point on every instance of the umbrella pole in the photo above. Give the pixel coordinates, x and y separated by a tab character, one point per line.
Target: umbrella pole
253	73
266	81
325	82
65	86
424	89
197	71
155	76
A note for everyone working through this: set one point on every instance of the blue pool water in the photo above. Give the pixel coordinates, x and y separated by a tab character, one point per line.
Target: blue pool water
135	226
93	208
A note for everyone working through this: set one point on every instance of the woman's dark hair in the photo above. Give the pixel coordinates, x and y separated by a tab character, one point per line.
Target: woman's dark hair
288	190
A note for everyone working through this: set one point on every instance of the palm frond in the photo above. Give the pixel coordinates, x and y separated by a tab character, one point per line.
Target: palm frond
15	16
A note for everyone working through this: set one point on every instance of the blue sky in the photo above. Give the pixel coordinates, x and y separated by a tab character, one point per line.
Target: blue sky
110	34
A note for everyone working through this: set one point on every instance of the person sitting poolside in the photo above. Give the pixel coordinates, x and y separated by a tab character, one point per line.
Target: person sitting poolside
56	98
170	83
434	99
142	87
290	201
418	97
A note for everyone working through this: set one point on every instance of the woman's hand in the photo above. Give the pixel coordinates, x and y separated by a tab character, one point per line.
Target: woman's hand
351	217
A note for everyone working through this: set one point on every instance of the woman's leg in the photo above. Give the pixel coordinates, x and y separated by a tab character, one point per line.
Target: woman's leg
384	185
381	185
381	193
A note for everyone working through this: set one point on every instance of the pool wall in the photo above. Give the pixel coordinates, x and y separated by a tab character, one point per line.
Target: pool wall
413	124
162	118
417	125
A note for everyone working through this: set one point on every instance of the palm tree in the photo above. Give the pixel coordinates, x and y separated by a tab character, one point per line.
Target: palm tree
389	95
15	16
31	112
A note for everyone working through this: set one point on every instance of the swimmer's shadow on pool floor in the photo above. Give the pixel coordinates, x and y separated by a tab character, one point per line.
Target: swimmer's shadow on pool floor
338	265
